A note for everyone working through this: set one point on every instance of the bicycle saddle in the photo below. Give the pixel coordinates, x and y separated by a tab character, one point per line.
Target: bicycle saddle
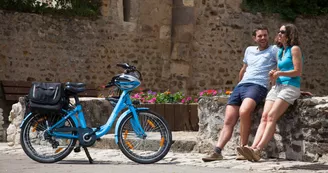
75	84
75	87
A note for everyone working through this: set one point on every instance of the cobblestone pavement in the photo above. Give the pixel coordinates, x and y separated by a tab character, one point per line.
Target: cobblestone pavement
192	159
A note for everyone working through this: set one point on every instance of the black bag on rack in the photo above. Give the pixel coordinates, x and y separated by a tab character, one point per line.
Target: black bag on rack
46	97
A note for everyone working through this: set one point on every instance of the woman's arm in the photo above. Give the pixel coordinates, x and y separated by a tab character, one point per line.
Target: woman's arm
297	62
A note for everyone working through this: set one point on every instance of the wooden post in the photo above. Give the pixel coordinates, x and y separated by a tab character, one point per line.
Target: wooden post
193	117
181	117
169	115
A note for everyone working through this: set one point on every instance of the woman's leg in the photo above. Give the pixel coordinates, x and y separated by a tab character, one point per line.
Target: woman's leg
277	110
260	130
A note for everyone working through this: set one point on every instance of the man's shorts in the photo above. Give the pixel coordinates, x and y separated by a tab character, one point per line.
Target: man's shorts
247	90
288	93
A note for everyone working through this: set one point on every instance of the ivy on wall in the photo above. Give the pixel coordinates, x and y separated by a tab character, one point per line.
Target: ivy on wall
288	9
88	8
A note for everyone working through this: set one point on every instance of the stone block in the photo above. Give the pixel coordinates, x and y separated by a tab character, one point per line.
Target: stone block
165	32
105	8
181	51
165	48
188	3
234	5
96	111
180	69
183	15
183	33
178	3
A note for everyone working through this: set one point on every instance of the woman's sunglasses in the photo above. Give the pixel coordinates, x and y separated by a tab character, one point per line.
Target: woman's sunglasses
282	32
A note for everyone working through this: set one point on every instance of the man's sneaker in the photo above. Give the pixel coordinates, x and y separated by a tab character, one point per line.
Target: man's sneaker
254	154
213	157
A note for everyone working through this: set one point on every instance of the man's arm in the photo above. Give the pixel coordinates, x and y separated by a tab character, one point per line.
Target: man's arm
242	71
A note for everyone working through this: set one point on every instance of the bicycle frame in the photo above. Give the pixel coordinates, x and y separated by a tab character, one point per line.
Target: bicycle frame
79	120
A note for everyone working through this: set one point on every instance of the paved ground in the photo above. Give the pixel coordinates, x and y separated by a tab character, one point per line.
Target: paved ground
12	159
20	163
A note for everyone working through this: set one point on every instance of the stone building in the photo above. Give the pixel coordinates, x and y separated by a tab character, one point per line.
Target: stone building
187	45
180	45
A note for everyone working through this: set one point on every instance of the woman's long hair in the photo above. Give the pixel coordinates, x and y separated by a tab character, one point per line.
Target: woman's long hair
291	35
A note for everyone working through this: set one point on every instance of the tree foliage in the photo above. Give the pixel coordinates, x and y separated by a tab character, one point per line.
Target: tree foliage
288	9
89	8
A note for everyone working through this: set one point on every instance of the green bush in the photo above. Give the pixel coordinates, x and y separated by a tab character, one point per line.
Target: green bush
288	9
88	8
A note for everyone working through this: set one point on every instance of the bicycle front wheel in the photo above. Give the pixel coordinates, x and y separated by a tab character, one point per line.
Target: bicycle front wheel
145	150
39	145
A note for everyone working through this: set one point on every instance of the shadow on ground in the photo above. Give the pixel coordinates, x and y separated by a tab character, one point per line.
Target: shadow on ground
95	162
312	167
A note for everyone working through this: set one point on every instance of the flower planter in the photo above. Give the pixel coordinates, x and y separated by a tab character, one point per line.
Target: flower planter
180	117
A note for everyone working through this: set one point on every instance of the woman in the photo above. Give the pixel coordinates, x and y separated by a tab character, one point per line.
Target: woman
285	91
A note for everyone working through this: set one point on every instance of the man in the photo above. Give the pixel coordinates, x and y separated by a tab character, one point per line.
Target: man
251	90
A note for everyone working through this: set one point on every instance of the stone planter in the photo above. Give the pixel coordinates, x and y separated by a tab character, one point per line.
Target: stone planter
301	133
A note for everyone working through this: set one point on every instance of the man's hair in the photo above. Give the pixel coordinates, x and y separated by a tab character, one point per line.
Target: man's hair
261	27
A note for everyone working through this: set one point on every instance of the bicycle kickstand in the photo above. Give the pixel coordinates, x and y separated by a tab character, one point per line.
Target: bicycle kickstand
88	155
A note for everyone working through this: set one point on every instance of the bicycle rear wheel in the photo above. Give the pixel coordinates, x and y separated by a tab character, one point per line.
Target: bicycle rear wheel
150	149
39	145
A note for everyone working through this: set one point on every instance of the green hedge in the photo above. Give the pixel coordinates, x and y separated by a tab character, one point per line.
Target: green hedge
88	8
288	9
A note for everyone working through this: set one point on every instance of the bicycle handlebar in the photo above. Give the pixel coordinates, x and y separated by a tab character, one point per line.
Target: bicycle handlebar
126	66
127	69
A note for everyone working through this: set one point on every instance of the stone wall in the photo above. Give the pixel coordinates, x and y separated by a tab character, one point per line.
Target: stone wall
222	32
301	133
52	48
187	45
2	130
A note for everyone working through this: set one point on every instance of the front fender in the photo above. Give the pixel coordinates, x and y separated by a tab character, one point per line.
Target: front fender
124	114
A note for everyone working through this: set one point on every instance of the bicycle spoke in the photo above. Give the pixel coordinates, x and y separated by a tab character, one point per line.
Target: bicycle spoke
39	145
154	146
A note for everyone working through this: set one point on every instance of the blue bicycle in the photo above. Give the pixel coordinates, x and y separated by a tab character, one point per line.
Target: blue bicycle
53	126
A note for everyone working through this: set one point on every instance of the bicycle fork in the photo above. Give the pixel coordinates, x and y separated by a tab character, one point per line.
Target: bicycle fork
135	123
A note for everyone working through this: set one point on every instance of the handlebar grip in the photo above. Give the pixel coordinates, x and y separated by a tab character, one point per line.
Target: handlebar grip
123	65
110	84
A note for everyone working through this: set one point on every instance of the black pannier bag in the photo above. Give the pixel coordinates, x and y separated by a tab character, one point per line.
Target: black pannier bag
46	97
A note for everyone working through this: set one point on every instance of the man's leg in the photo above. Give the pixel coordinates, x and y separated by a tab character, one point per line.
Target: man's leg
247	107
252	94
230	120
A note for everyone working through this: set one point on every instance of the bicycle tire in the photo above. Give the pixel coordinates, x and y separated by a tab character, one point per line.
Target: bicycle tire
32	148
148	120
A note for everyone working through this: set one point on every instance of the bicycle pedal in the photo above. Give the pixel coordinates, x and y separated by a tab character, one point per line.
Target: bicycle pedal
77	149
